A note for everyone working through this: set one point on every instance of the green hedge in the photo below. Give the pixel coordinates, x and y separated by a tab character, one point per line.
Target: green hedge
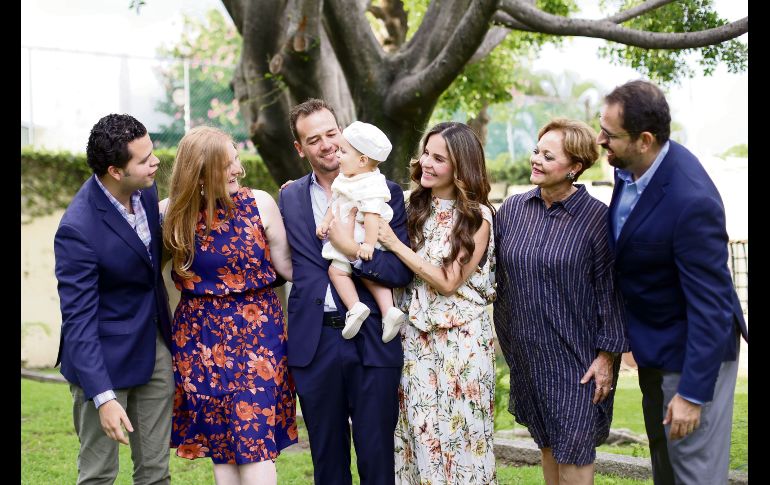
49	179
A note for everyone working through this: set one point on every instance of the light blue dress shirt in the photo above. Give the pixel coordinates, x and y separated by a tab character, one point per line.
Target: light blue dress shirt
631	191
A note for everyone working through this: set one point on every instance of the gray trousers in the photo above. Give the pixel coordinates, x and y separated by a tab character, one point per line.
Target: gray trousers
149	409
702	457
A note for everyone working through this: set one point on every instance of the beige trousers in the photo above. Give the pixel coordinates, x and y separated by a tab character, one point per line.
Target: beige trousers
149	409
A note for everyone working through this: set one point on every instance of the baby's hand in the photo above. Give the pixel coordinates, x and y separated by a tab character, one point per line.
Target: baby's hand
322	231
365	251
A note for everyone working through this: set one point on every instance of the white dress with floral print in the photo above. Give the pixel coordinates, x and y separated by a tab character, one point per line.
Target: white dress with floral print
447	394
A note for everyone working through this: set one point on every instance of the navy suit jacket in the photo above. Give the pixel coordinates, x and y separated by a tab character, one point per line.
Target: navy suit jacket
671	262
310	274
112	296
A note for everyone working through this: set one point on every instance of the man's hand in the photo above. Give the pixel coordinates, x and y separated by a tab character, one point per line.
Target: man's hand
341	233
684	417
601	371
322	231
111	415
365	251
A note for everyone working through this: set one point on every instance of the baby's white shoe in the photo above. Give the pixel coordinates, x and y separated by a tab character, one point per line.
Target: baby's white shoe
354	318
391	323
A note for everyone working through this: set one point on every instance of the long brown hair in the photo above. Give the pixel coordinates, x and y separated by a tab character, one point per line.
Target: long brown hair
469	171
198	182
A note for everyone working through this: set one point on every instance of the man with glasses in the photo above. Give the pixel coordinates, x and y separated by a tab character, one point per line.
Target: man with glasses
684	317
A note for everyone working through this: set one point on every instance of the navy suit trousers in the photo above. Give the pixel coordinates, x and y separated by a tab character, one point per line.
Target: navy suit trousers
335	387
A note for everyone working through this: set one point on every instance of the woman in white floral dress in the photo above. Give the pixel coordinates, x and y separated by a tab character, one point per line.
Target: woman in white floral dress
447	394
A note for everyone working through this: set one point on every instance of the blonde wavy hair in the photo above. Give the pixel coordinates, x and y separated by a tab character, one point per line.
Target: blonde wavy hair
198	183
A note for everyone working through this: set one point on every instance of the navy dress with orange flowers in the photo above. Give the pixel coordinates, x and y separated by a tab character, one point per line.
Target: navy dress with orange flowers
235	400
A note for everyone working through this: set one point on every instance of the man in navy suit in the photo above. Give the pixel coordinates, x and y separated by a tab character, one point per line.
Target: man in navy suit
115	334
337	379
684	316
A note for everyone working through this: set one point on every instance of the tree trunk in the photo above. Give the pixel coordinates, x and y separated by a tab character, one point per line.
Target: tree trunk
480	123
297	49
405	138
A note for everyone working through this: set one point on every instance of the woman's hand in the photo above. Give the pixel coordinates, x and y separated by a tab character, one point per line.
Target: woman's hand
386	236
601	371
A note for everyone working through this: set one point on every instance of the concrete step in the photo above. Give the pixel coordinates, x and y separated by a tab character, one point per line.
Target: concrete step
525	452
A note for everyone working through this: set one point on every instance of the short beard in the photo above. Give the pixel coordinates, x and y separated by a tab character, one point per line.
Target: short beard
619	163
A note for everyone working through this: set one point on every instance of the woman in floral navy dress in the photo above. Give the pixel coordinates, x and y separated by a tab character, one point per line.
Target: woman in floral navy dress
234	401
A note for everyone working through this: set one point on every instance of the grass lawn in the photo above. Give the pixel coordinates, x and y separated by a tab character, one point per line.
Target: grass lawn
49	445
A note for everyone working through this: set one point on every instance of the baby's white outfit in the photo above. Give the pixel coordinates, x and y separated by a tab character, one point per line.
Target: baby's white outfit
368	192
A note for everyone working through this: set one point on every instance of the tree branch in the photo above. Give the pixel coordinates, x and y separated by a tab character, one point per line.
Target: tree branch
235	9
263	100
429	82
602	29
358	52
393	17
625	15
494	37
436	28
298	60
502	18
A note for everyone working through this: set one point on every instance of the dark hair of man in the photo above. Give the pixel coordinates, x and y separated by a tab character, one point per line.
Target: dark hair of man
306	109
643	108
108	142
466	155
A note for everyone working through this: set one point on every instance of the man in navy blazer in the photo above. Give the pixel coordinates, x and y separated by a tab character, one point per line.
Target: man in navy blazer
115	333
684	316
337	379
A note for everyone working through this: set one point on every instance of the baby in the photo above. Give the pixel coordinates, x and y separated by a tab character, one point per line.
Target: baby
361	185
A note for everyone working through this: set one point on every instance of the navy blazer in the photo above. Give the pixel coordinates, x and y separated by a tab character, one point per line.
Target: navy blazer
310	274
671	262
112	296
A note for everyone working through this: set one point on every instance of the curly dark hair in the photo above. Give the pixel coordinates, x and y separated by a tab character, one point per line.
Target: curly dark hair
108	142
644	108
472	190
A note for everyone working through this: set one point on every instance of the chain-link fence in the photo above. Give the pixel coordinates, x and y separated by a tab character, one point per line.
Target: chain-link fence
65	92
739	268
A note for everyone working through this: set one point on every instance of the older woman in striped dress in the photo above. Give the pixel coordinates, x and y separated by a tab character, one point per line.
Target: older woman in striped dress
559	316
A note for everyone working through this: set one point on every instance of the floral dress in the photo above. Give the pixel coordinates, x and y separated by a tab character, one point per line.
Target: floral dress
234	400
446	398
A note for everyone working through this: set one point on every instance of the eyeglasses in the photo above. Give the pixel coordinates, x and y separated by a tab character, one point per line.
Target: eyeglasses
610	136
